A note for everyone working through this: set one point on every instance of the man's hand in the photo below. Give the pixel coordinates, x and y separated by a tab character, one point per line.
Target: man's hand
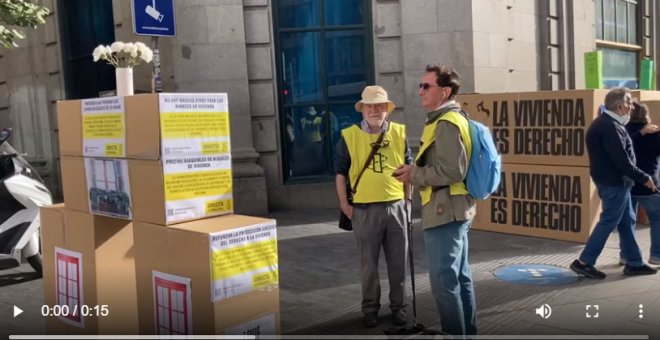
649	184
649	128
347	209
402	173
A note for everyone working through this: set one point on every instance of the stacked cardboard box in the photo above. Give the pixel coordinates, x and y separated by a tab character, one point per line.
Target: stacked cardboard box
89	273
546	190
141	164
126	153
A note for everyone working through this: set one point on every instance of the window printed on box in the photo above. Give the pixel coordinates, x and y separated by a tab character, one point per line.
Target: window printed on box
69	285
172	304
243	259
108	187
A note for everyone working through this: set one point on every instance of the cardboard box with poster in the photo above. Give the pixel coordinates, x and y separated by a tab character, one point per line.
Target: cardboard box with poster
553	202
88	273
163	192
224	270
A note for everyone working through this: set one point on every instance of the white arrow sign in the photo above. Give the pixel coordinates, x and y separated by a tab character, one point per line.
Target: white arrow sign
17	311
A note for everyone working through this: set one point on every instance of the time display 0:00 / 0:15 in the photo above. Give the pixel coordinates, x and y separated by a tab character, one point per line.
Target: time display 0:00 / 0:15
75	310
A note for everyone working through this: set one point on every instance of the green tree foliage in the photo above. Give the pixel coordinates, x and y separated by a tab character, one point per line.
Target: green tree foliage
19	13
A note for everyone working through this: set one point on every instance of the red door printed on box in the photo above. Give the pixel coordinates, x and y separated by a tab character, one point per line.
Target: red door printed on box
68	273
172	304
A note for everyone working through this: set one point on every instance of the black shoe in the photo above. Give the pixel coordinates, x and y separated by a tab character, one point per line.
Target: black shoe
587	270
399	317
370	320
643	270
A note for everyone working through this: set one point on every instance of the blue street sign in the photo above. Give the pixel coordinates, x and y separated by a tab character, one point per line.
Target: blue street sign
536	274
153	17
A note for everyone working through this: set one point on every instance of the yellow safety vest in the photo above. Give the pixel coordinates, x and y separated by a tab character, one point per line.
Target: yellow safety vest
428	139
377	183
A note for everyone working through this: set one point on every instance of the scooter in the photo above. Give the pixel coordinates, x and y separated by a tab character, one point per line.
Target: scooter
22	192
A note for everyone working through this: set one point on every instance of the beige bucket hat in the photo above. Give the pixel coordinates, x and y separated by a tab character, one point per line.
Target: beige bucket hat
374	95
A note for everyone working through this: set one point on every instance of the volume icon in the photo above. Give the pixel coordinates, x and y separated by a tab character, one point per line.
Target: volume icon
544	311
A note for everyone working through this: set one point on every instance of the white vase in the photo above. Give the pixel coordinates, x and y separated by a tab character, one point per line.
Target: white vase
124	77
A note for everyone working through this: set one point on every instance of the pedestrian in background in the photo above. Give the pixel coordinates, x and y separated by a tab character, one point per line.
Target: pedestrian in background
613	170
447	209
379	209
646	143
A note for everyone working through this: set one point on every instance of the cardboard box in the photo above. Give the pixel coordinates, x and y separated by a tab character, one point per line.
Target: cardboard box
156	191
69	124
555	202
88	261
644	95
546	127
654	110
224	270
148	126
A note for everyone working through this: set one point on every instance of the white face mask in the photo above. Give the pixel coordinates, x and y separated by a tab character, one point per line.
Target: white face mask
626	119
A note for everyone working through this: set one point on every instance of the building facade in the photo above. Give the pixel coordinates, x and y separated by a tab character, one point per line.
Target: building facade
294	68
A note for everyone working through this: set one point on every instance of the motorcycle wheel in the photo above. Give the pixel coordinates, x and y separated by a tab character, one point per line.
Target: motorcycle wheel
36	263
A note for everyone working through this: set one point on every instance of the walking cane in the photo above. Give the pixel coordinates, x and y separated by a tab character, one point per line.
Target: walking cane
416	328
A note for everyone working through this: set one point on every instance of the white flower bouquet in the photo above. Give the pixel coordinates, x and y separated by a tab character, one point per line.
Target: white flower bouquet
121	55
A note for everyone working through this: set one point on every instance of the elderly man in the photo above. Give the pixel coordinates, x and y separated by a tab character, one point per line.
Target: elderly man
447	208
379	209
613	170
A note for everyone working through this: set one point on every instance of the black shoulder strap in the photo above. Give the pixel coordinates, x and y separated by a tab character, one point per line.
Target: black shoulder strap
374	149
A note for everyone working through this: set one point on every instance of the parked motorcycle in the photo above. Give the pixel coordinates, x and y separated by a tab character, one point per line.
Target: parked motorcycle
22	193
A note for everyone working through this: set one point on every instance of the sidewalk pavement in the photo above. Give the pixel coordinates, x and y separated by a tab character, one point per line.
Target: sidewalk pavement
320	289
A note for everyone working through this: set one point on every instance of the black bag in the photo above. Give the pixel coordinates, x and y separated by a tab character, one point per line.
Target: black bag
345	223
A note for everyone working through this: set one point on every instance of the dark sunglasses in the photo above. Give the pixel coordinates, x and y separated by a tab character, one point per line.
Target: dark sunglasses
425	86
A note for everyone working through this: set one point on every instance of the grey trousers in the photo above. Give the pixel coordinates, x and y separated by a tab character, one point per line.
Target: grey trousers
377	225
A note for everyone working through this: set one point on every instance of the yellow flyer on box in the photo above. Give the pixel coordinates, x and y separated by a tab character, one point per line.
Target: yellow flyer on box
197	186
104	127
243	259
194	124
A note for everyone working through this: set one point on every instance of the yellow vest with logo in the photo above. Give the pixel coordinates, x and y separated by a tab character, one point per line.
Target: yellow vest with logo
376	183
428	139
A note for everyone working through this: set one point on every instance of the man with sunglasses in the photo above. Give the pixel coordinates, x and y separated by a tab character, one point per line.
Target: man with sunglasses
379	210
439	172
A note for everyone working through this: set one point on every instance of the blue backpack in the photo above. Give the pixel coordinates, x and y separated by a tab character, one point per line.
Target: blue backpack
484	171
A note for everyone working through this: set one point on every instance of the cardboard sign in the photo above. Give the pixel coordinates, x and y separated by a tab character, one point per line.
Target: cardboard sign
547	127
243	259
542	201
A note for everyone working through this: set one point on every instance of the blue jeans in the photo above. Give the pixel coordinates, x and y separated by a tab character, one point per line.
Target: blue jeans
617	212
651	204
450	276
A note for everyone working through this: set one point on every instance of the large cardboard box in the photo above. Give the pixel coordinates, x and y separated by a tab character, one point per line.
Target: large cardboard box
157	191
555	202
89	266
148	126
644	95
654	110
546	127
212	276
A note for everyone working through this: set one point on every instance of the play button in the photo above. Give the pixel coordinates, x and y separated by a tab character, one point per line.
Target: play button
17	311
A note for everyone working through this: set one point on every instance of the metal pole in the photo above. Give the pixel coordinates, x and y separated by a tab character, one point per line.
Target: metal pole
156	81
